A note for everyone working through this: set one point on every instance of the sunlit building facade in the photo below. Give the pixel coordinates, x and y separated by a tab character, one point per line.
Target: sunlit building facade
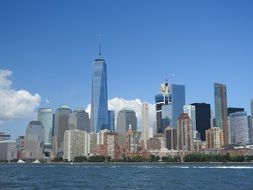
99	105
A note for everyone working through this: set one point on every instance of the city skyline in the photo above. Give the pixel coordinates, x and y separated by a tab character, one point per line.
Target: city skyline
58	65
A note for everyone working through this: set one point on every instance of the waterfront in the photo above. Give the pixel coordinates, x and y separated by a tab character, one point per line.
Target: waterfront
126	176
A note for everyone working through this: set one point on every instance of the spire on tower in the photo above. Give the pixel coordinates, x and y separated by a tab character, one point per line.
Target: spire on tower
99	45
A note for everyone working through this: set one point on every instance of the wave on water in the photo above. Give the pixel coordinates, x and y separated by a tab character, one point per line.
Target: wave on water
223	167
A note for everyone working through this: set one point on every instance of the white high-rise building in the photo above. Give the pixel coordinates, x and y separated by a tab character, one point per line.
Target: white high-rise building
145	123
191	111
74	144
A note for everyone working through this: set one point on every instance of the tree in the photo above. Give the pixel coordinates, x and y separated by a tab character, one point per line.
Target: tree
80	159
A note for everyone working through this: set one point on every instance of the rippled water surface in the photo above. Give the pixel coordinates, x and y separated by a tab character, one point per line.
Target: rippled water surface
126	176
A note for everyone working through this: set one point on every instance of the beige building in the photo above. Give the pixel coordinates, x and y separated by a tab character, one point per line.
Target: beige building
184	133
214	138
112	143
74	144
145	123
132	142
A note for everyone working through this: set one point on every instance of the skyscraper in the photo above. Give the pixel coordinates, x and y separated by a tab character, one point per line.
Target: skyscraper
251	106
111	120
145	123
99	105
161	101
184	133
191	111
34	140
169	106
234	110
45	116
125	119
178	102
239	129
203	118
79	119
221	115
61	123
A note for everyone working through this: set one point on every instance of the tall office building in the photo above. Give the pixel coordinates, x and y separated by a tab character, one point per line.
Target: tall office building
8	150
191	111
45	116
251	106
203	118
126	118
145	123
169	106
79	119
34	140
99	105
161	100
61	123
251	122
234	110
184	133
178	102
111	120
221	115
239	129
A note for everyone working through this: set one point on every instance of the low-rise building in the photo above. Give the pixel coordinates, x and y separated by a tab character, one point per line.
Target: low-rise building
214	138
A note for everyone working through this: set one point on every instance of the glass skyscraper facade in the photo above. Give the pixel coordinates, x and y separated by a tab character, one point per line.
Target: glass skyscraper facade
178	102
203	118
160	100
111	120
99	105
239	129
169	107
221	115
45	116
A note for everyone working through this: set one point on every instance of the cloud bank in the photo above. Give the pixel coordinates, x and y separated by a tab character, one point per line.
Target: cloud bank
116	104
15	103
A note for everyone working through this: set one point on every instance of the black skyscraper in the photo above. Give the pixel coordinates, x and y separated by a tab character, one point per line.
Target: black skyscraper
203	117
234	110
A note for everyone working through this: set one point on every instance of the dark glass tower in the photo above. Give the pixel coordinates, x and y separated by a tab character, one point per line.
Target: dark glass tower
99	105
234	110
203	118
221	114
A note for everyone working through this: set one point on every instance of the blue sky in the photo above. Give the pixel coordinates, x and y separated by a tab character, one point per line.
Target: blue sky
50	45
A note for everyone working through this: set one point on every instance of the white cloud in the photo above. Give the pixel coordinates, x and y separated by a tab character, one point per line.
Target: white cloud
15	103
47	101
116	104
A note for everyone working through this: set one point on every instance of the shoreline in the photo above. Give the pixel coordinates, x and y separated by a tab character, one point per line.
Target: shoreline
129	163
